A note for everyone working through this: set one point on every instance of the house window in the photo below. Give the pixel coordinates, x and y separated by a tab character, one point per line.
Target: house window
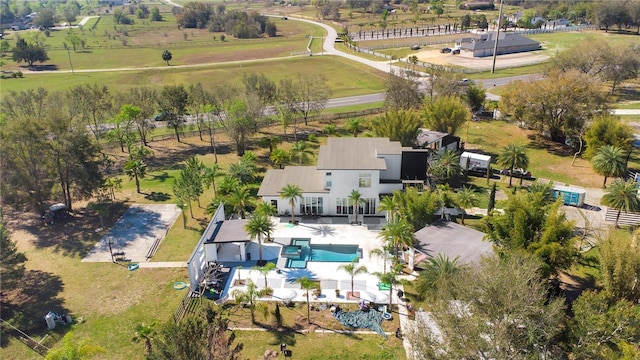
311	205
274	203
327	184
327	174
364	180
343	207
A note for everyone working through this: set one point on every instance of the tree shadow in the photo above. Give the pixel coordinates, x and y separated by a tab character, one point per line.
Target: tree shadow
46	67
161	177
79	234
537	141
27	306
157	196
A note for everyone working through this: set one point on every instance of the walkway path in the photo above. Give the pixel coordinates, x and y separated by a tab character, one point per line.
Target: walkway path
163	264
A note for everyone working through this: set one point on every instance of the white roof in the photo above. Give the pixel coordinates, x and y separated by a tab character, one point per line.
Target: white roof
570	189
476	156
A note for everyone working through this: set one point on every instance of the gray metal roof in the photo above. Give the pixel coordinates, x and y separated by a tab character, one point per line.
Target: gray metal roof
308	178
232	231
451	239
356	153
488	42
428	136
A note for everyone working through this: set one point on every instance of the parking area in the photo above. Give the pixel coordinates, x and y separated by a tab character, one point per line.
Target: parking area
136	234
434	56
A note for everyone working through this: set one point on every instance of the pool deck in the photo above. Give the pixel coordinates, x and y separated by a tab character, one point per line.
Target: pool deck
330	277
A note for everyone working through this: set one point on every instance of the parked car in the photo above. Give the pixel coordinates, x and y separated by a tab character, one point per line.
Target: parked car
466	82
517	172
415	47
56	212
455	51
285	18
477	171
445	50
163	116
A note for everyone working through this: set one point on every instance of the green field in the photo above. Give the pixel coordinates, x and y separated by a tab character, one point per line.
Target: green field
345	77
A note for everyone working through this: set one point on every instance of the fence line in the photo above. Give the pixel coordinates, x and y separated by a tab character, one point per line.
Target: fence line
371	50
322	118
444	41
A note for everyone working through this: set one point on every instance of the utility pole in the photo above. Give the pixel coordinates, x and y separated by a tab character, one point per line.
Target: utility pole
69	55
495	46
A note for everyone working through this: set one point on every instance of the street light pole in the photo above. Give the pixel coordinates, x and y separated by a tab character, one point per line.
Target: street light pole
495	45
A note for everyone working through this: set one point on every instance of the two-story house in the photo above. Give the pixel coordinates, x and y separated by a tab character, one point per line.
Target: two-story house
375	167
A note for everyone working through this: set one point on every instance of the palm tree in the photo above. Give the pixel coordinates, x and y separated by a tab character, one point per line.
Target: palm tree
545	191
279	157
265	270
291	192
390	205
513	156
209	177
466	198
250	295
144	333
445	165
240	199
301	151
356	200
609	162
352	269
242	171
398	233
382	253
330	129
271	142
228	185
622	195
437	274
74	350
307	284
354	126
136	169
413	60
268	210
258	226
390	278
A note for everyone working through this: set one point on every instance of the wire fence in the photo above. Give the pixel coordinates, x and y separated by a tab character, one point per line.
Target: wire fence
188	131
372	50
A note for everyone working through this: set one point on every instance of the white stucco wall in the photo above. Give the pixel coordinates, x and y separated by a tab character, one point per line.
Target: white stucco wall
394	164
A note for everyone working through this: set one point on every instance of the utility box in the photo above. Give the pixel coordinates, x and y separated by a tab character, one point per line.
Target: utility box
469	160
50	318
570	195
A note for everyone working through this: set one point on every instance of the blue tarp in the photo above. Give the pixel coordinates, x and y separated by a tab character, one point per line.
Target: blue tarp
369	319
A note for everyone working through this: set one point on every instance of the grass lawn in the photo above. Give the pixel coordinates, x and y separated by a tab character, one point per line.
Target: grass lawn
106	300
312	345
560	41
547	159
322	346
347	78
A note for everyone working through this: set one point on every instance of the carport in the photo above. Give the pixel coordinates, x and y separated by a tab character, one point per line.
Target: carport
453	240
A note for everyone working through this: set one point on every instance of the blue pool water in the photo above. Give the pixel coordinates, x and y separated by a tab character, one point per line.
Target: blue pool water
322	253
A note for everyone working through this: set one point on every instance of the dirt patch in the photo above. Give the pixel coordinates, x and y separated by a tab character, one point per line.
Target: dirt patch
519	59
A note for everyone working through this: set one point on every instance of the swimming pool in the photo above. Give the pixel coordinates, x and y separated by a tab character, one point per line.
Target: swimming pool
321	253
